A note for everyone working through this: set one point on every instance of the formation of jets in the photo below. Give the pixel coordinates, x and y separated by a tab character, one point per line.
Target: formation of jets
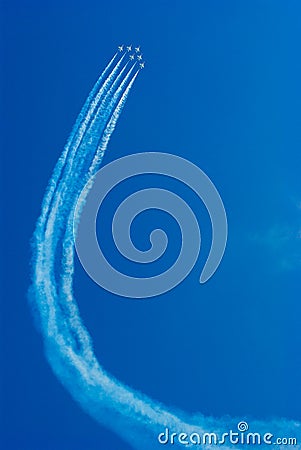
137	53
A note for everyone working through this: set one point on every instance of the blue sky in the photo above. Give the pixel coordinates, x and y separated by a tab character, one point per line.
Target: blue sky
220	88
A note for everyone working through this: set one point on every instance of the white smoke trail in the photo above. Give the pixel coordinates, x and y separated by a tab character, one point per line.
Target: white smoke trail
112	123
76	146
52	201
86	147
96	97
136	418
44	267
98	103
78	128
68	242
59	203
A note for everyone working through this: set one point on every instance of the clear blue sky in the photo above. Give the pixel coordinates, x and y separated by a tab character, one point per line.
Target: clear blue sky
221	88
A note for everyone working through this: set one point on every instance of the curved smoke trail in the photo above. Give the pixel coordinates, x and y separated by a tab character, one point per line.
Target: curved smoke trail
68	346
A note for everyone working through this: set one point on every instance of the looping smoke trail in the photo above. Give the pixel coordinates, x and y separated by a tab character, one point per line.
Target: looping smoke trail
69	350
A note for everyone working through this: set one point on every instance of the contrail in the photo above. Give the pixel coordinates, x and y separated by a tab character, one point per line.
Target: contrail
78	129
92	127
84	148
68	346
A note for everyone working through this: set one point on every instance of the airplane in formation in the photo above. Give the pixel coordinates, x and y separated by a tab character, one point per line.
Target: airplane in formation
139	56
